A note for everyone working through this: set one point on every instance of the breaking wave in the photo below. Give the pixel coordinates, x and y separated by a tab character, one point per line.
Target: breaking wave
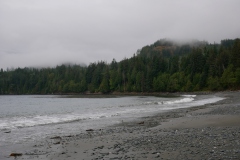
40	120
183	100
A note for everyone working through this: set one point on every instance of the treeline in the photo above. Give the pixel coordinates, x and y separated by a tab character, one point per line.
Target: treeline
164	66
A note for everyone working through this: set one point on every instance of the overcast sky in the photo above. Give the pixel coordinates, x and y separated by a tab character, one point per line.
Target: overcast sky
37	33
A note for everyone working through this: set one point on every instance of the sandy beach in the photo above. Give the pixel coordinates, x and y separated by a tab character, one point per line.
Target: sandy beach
211	131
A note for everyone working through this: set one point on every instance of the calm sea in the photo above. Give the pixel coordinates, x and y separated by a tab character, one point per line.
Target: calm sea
31	118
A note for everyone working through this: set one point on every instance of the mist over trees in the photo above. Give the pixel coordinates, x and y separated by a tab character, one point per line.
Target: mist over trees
165	66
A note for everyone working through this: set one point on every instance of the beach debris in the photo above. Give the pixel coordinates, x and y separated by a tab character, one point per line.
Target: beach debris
141	122
56	137
15	154
69	136
89	132
57	143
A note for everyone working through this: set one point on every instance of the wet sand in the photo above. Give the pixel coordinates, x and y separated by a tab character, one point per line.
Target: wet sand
211	131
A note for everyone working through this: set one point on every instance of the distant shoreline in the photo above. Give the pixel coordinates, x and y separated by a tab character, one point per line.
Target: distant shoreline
113	94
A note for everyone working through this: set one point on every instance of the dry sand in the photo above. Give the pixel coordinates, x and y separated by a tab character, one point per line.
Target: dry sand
207	132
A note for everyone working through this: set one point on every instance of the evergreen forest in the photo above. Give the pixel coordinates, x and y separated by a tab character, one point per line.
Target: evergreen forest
165	66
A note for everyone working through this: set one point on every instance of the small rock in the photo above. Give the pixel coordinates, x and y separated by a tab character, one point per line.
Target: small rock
57	137
15	154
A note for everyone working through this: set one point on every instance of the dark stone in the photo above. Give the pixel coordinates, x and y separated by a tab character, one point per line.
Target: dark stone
15	154
57	137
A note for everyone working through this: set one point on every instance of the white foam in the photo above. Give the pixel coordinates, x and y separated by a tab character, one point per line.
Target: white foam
194	103
183	100
186	95
20	122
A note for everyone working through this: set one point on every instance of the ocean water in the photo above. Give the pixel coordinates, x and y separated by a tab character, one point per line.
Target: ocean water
33	117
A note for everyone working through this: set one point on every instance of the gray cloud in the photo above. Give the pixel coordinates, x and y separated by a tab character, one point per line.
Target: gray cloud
47	33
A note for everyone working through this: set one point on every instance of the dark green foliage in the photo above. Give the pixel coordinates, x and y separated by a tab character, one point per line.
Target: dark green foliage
164	66
105	85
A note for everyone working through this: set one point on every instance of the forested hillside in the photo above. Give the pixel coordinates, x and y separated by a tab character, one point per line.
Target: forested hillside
164	66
